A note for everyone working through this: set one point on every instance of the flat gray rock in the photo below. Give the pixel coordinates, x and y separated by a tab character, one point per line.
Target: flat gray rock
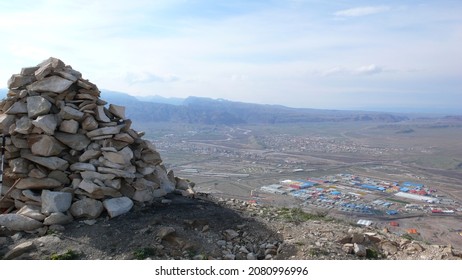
47	123
17	108
45	145
52	163
53	84
87	208
37	106
36	183
19	250
76	142
69	126
57	218
17	81
53	202
105	131
118	206
19	222
69	113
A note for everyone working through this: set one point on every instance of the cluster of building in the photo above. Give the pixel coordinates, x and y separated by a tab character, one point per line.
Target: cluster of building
351	193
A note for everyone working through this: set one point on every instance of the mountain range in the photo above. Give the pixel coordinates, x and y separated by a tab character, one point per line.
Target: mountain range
219	111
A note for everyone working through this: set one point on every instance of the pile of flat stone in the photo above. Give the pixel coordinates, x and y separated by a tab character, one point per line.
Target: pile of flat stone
69	155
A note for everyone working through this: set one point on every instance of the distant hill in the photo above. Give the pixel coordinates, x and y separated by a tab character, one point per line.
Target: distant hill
161	99
219	111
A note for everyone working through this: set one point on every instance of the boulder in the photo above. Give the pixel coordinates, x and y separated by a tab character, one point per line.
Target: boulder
117	206
101	114
36	183
19	250
165	182
17	108
6	121
389	248
60	176
57	218
89	154
69	126
82	166
89	123
28	71
105	131
52	163
32	196
53	202
19	141
19	165
45	145
37	173
89	186
69	113
124	137
117	172
53	84
348	248
17	81
118	111
32	211
76	142
90	176
143	195
87	208
23	125
358	238
19	222
115	157
360	250
47	123
37	106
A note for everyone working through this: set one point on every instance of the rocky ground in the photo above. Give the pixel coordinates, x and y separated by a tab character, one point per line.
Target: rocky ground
204	228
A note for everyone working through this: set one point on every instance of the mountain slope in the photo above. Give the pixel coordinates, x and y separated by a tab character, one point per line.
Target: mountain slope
219	111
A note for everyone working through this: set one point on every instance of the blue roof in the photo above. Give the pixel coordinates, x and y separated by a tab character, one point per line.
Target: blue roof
335	192
404	189
372	187
412	184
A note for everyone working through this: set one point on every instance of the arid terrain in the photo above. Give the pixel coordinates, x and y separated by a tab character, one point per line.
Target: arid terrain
234	162
231	218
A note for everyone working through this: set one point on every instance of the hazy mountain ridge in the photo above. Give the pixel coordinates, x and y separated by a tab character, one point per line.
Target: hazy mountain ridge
220	111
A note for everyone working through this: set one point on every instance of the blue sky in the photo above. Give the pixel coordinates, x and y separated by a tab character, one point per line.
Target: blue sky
300	53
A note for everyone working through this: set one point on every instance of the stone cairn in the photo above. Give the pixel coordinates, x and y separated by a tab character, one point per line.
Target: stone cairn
67	155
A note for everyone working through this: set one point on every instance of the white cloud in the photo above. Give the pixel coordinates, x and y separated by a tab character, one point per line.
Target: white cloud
146	77
349	71
368	69
334	71
362	11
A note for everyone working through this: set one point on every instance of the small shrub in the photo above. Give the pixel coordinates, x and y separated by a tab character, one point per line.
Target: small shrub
407	236
143	253
372	254
297	215
69	255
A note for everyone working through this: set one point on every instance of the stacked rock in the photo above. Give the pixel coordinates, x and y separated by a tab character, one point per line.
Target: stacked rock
74	157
